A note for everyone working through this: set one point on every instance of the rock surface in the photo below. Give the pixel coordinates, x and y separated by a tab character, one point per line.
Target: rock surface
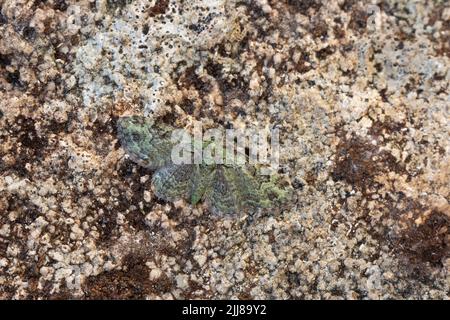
360	94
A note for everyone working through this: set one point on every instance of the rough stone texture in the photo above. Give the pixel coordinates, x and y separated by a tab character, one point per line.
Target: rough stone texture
360	93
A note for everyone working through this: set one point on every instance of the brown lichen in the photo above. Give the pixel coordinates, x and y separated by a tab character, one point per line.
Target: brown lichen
159	8
358	162
132	282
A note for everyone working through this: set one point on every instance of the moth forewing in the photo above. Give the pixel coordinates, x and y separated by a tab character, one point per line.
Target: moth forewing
201	181
173	182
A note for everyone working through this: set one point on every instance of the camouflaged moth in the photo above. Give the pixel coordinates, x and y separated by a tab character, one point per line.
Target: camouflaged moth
226	189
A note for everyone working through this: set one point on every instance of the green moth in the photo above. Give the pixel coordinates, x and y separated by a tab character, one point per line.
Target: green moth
147	143
226	189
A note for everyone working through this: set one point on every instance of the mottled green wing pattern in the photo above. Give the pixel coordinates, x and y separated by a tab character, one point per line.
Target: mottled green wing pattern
202	180
147	144
222	196
173	182
234	191
249	194
228	190
188	181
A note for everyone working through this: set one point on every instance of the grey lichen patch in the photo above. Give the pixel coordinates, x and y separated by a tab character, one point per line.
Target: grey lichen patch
165	35
227	189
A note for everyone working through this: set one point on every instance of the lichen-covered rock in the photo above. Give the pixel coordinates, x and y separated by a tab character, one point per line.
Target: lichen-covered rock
360	95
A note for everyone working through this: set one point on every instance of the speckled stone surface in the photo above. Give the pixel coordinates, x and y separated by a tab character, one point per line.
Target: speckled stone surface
359	91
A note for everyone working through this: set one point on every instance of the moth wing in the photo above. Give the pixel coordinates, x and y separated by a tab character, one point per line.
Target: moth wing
146	143
246	187
221	196
173	182
201	182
